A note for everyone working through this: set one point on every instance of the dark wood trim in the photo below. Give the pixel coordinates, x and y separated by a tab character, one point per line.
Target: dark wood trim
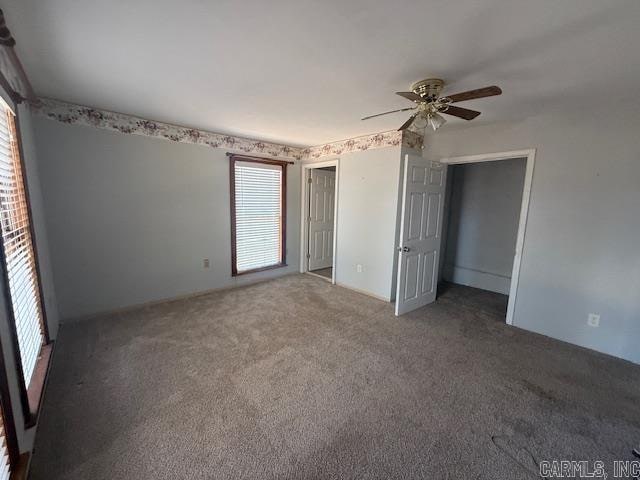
30	415
7	412
24	400
35	392
261	269
283	209
232	191
283	225
20	471
249	158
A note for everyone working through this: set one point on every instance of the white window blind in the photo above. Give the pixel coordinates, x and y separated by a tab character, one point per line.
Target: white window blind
18	248
258	215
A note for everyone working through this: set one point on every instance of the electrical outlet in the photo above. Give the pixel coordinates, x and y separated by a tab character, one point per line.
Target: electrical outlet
359	268
593	320
205	263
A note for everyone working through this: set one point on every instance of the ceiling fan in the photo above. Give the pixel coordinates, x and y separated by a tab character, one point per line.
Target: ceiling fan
426	94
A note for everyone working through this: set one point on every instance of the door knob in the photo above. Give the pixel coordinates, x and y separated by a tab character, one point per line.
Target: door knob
405	249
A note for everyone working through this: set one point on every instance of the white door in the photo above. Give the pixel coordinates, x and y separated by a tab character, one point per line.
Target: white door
420	233
321	205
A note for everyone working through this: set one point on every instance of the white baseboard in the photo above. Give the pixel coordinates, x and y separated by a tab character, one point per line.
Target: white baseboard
477	279
364	292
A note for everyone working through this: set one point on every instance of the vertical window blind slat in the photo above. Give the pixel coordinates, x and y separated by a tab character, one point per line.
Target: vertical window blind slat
258	215
18	250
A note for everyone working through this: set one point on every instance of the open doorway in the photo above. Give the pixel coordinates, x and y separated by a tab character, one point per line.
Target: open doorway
486	205
422	236
482	213
319	219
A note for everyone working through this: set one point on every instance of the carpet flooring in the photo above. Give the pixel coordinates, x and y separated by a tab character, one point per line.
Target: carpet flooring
300	379
324	272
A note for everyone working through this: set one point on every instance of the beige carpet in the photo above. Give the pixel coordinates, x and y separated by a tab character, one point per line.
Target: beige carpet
300	379
324	272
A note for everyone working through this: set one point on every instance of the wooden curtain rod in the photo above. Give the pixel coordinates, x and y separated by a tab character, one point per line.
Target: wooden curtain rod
8	42
262	159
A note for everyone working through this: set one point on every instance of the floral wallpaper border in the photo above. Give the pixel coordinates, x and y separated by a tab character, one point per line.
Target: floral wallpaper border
392	138
80	115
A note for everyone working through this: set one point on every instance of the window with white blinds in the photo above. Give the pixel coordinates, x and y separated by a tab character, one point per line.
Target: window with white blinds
20	263
258	216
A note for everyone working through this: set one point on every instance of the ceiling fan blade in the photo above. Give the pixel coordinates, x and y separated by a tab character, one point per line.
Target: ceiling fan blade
386	113
408	123
478	93
461	112
414	97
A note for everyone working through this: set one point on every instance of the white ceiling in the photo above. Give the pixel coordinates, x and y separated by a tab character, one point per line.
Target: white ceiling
303	72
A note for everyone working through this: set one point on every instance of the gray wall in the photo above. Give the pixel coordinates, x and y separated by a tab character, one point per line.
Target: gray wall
581	250
131	218
32	173
367	209
483	215
367	214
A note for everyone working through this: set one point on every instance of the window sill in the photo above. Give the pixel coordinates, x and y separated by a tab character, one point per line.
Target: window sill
261	269
19	472
36	386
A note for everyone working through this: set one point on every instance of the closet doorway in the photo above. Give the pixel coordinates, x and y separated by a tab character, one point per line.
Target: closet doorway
485	222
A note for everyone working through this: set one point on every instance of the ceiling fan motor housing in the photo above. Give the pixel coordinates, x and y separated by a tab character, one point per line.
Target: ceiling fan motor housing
429	89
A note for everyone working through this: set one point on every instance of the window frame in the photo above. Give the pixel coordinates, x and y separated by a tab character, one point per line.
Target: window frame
30	395
233	158
8	420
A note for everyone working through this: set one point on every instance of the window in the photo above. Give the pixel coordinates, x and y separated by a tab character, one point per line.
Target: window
19	258
258	214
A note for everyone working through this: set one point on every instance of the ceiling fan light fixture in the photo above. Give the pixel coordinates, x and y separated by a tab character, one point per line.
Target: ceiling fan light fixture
435	121
420	122
428	104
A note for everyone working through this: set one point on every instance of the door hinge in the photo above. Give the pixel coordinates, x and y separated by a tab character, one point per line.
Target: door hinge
308	255
309	180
